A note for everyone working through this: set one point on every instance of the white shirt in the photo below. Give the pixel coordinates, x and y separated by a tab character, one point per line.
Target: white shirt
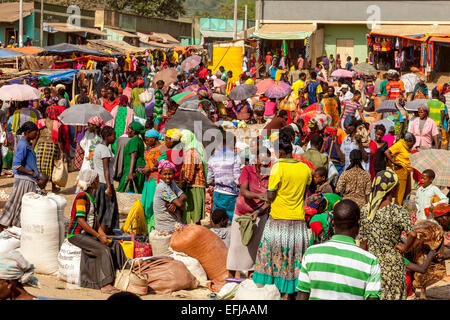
423	200
347	96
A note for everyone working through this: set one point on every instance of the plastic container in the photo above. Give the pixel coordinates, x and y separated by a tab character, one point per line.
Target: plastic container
128	248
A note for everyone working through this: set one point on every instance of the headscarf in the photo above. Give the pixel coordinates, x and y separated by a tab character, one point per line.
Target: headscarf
13	266
85	178
139	82
152	133
384	182
174	134
315	201
441	210
123	101
137	127
166	164
53	111
190	142
97	121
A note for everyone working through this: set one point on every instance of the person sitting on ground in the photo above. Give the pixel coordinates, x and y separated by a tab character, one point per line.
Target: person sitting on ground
42	181
426	194
344	283
14	272
219	222
314	155
101	257
320	179
169	200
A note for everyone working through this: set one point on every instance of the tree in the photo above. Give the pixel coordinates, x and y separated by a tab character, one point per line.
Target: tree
226	9
154	8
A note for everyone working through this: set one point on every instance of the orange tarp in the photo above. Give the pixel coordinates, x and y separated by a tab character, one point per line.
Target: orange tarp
28	50
440	39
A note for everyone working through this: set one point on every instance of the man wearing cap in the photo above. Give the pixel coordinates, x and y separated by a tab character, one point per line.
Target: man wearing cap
345	93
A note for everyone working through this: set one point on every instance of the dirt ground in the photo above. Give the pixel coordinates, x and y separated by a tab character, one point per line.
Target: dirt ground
51	287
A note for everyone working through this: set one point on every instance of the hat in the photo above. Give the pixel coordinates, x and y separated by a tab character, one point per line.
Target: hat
344	86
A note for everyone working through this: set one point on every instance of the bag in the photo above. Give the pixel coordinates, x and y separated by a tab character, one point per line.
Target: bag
145	97
248	290
160	242
135	222
192	264
165	275
204	245
69	259
141	249
60	173
126	200
132	280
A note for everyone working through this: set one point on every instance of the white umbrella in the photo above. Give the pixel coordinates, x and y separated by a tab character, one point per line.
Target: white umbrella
79	114
19	92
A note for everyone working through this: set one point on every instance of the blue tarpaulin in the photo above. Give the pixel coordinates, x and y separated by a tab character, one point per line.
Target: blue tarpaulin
7	54
70	48
65	77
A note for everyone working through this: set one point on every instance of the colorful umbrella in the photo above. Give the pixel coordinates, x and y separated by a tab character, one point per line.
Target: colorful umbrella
410	80
183	96
191	62
342	73
19	92
218	83
413	106
365	68
169	76
318	106
79	114
191	88
279	90
436	159
387	106
243	92
263	85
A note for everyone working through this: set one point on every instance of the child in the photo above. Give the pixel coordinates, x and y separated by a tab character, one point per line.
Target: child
426	195
219	222
42	184
320	181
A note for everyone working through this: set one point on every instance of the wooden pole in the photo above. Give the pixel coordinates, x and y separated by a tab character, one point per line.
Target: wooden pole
91	91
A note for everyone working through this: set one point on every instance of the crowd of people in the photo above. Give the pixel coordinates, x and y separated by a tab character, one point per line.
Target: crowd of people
313	186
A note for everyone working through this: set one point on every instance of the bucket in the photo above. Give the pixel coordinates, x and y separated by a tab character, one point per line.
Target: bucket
128	248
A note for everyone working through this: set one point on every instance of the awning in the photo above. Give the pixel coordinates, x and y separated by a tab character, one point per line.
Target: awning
217	34
162	37
66	48
65	76
440	39
285	31
53	27
114	46
8	54
9	11
123	33
28	50
418	32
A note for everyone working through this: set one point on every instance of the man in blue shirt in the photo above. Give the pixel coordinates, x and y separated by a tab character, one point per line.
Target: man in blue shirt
314	89
349	65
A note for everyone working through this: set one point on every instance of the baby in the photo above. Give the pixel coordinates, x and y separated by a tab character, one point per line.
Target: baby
42	184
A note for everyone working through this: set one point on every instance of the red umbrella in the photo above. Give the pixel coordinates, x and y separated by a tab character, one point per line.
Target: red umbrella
262	86
278	90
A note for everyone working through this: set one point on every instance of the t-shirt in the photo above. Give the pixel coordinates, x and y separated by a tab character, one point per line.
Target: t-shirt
224	234
269	59
436	106
84	207
165	195
273	72
269	108
289	177
101	151
314	89
350	107
395	88
383	87
401	153
300	84
349	66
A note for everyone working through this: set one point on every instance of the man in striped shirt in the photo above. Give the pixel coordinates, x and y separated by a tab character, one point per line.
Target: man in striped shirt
338	269
351	106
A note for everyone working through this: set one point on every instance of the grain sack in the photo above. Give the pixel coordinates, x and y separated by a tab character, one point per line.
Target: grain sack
69	259
40	238
10	239
248	290
166	275
61	203
192	264
160	242
204	245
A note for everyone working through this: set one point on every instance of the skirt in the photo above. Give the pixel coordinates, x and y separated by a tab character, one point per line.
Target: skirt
280	253
227	202
98	263
47	153
13	207
107	208
195	205
242	257
148	193
79	157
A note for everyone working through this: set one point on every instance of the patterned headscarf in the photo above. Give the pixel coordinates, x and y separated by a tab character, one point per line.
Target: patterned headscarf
316	200
166	164
97	121
152	133
174	134
190	142
384	182
13	266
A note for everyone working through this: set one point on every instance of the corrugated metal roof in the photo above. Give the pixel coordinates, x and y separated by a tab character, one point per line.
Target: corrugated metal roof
67	28
411	30
123	33
9	11
217	34
285	31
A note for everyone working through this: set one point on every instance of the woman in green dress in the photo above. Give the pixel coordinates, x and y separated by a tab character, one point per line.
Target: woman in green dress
122	118
133	157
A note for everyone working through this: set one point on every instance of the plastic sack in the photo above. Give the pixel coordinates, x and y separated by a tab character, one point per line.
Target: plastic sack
192	264
166	275
248	290
40	238
60	173
135	222
160	242
61	203
145	97
204	245
10	239
69	259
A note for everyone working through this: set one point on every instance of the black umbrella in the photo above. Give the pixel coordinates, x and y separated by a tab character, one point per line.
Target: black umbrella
387	106
243	92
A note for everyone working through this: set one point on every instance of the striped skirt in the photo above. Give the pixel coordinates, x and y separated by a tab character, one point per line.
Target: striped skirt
280	253
47	153
13	207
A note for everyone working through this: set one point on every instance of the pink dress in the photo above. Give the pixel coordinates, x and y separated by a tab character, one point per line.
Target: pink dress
424	138
270	107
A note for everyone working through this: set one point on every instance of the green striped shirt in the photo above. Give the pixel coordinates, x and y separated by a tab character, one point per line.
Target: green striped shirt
339	270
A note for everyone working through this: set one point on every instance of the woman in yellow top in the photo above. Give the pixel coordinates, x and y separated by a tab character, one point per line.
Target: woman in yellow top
285	236
398	155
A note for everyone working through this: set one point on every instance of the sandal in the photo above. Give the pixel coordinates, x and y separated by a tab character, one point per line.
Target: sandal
110	290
